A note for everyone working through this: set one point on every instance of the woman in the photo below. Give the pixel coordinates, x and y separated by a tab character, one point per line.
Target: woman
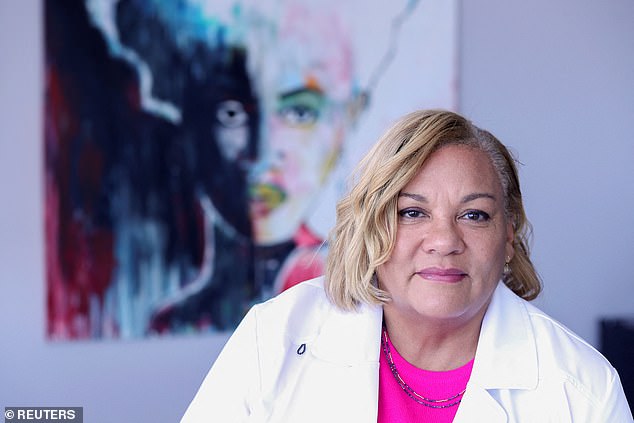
422	314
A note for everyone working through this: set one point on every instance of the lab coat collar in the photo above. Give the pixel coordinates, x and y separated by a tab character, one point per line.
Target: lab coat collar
506	357
351	338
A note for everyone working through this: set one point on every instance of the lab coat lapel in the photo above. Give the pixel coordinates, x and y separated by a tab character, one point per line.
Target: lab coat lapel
352	341
350	338
479	406
506	359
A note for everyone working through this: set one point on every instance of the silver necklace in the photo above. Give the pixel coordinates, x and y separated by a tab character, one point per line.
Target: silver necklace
427	402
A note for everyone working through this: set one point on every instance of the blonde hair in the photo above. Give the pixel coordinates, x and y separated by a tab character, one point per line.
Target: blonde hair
365	231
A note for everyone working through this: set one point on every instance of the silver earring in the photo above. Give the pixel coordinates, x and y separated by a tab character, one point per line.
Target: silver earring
507	267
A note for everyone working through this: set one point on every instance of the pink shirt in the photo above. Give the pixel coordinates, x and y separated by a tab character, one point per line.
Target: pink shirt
396	406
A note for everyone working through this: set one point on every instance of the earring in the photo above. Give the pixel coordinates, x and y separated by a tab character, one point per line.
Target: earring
507	267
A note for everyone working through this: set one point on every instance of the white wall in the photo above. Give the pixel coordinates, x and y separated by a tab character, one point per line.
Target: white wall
554	80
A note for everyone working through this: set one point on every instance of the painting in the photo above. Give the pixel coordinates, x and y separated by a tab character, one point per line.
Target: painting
195	149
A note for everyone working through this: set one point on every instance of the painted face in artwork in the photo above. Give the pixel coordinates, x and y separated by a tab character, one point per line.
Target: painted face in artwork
268	97
306	83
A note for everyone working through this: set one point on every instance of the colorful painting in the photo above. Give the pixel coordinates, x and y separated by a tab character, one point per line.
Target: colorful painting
195	150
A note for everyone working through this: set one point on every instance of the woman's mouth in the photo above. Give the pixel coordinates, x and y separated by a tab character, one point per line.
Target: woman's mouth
437	274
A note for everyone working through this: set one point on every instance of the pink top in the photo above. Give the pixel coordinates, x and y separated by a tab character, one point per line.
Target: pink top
396	406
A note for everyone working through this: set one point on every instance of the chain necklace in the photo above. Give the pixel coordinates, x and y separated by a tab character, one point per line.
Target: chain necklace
427	402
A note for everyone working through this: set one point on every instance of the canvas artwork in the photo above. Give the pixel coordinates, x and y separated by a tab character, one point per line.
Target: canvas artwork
195	149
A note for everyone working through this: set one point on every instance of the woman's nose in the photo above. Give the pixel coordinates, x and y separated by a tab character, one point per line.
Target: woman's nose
443	237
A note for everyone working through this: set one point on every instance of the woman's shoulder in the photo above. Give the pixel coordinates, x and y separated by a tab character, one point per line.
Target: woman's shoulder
522	346
551	337
306	295
296	312
551	333
561	351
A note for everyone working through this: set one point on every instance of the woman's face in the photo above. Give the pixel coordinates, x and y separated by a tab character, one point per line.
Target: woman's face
452	239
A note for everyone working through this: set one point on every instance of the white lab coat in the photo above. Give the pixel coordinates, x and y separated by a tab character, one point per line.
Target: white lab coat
297	358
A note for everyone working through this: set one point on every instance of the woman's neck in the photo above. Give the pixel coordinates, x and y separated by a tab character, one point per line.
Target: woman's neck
433	344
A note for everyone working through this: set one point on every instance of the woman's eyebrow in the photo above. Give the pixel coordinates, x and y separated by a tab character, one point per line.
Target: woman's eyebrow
467	198
416	197
470	197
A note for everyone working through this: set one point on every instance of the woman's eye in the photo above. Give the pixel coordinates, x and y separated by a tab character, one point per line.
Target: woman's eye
410	213
476	216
